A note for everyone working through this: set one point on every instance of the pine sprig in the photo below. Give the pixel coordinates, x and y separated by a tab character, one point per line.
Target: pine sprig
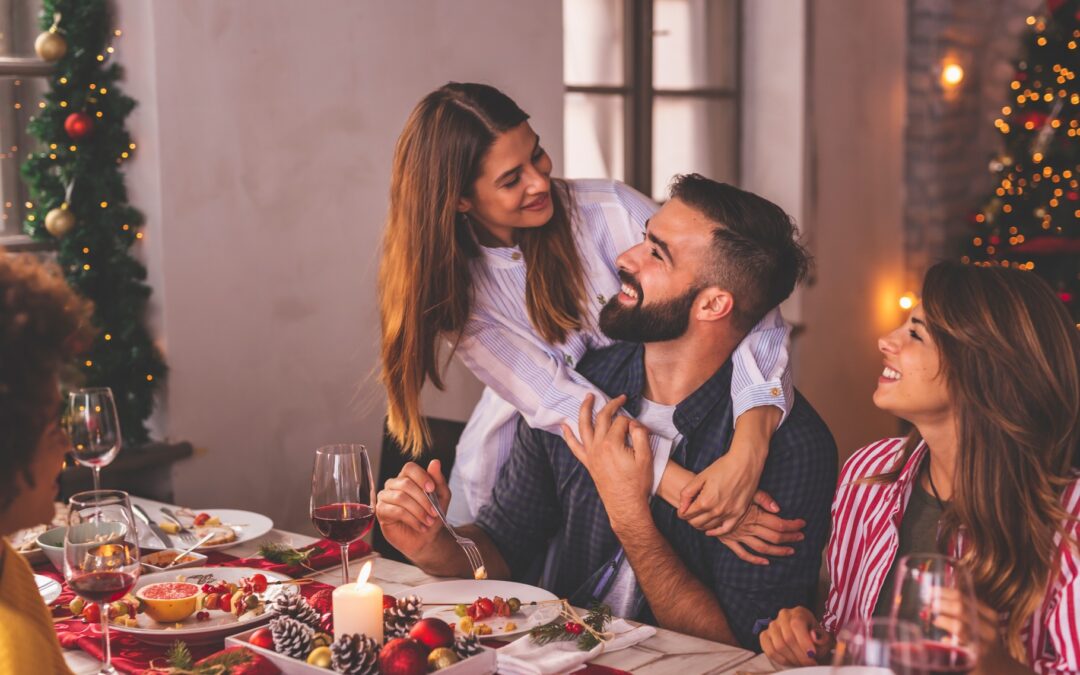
285	555
593	627
180	656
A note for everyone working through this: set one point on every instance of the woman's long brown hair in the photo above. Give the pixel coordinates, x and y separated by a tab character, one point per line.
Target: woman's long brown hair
1009	355
425	288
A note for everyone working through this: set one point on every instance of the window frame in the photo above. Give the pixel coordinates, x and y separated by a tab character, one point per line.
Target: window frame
638	92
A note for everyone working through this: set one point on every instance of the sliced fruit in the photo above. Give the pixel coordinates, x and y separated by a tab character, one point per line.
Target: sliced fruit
169	601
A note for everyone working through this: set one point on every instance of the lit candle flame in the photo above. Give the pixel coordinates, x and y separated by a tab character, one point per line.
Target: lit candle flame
365	572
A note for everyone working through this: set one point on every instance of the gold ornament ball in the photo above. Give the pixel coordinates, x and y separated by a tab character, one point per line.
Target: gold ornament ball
320	657
50	46
59	222
440	658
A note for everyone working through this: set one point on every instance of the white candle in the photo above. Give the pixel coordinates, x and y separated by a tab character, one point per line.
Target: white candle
358	608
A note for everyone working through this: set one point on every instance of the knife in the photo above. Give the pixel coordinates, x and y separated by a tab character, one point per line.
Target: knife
158	532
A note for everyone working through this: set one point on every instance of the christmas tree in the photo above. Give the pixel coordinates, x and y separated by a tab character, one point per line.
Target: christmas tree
1032	219
78	200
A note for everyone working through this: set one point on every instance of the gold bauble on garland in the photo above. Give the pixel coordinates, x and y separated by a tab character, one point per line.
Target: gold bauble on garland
59	221
50	46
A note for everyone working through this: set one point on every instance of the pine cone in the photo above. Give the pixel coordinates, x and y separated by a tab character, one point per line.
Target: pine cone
291	637
355	655
296	607
399	618
467	645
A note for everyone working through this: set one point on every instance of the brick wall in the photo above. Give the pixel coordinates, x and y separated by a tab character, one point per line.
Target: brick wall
950	137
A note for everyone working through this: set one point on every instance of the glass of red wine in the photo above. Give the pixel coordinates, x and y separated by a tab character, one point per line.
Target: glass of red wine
101	553
936	594
93	427
342	496
881	644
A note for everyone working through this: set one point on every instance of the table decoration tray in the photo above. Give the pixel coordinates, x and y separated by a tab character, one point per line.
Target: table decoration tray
480	664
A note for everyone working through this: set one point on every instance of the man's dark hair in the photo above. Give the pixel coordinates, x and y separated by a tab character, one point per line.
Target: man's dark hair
756	256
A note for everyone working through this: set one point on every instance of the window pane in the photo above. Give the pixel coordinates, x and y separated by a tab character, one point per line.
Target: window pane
594	136
694	43
593	34
693	135
15	144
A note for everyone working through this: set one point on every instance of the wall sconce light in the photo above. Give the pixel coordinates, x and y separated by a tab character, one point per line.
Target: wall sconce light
952	74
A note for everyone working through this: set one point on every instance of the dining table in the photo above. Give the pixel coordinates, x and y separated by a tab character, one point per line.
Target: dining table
665	652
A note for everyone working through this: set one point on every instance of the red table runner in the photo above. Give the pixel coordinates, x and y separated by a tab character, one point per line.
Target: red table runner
132	656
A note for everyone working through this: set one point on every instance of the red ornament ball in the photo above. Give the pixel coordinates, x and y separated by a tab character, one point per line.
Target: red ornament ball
433	632
402	656
262	638
322	601
78	125
573	628
388	601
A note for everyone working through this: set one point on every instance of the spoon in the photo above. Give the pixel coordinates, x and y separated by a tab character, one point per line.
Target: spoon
190	549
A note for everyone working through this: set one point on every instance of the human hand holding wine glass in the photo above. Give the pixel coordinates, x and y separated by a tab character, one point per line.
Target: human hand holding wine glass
936	594
101	553
342	496
93	427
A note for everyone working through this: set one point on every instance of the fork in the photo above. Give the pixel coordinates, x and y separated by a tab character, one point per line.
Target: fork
186	535
466	544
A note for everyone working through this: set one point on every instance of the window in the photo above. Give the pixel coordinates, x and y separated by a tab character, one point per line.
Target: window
652	89
22	85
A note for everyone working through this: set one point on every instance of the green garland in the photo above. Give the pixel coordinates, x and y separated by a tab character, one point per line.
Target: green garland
86	174
588	631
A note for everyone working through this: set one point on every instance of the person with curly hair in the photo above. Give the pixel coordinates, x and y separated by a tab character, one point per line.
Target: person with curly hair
43	325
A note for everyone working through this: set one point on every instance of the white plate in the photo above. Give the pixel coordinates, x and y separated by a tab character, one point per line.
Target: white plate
218	625
247	525
49	588
465	591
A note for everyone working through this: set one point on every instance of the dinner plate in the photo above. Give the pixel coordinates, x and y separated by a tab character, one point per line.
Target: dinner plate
442	597
49	588
247	525
219	624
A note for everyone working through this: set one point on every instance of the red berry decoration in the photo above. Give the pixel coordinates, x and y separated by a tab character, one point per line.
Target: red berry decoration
573	628
402	656
433	632
323	601
78	125
262	638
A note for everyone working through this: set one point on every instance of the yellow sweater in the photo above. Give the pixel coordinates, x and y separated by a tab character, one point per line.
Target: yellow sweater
28	644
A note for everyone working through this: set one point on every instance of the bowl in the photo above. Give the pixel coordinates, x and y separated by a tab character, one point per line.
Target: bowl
51	543
158	561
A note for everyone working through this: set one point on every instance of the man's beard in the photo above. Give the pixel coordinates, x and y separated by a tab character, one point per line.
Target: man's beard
660	322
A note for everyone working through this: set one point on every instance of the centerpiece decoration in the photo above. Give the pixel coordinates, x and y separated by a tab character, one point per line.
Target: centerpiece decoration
588	631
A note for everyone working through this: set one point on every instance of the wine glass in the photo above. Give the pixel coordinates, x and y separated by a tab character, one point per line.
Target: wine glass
933	592
93	427
879	645
342	496
101	553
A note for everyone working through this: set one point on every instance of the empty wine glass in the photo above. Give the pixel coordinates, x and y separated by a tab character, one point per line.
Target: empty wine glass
342	496
93	427
879	645
101	553
933	592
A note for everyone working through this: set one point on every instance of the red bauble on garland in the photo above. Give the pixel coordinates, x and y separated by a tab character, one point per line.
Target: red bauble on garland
79	125
402	656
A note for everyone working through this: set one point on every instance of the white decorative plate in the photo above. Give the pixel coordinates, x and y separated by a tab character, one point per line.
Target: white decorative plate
49	588
442	597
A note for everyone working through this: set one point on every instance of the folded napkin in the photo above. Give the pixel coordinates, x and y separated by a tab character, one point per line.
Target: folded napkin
525	657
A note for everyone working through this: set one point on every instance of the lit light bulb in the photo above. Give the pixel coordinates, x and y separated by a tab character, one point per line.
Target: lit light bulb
907	301
952	74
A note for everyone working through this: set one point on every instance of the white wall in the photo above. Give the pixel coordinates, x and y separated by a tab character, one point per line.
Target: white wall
265	134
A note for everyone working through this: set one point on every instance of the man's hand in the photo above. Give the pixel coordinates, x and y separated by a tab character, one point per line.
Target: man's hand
795	638
763	532
408	520
622	474
721	494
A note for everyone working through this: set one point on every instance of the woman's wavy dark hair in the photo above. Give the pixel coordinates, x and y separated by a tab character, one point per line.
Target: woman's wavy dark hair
43	325
1010	355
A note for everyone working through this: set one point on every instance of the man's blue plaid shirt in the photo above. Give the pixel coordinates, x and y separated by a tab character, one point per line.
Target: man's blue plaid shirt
543	493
